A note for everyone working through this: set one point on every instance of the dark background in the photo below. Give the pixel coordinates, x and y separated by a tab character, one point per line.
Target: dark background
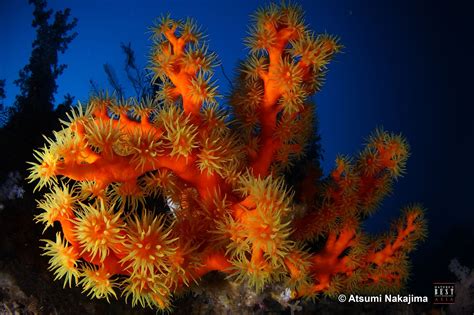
407	66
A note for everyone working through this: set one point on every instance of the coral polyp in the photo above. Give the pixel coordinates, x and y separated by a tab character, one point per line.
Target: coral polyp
221	175
63	261
44	172
149	245
148	290
98	282
98	230
57	205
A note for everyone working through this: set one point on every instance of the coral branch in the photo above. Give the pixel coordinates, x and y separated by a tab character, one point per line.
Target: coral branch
328	262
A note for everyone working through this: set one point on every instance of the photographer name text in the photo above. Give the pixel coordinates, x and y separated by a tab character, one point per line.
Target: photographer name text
383	298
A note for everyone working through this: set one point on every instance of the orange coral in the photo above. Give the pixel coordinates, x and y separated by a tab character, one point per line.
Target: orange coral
230	209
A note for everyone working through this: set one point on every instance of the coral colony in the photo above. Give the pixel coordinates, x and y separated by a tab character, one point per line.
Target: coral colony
230	209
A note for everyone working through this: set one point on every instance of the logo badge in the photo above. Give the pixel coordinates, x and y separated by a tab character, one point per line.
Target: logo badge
444	293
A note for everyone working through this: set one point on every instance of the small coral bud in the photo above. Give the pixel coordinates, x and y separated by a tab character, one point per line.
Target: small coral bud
197	59
144	148
98	282
148	244
102	136
254	67
98	229
63	261
147	289
202	89
56	205
288	75
45	170
256	274
389	150
127	194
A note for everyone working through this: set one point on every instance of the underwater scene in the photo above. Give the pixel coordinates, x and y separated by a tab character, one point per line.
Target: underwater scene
257	157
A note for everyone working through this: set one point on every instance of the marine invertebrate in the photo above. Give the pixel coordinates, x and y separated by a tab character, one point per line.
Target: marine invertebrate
221	173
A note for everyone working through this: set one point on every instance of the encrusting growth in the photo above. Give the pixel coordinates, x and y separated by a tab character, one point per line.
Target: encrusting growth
230	209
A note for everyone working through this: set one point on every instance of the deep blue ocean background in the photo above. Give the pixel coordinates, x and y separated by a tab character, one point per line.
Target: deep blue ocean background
406	66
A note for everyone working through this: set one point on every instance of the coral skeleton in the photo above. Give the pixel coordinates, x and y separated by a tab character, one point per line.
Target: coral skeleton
220	170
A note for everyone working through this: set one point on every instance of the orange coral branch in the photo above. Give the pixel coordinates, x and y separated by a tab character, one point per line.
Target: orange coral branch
273	90
327	263
387	253
179	76
213	262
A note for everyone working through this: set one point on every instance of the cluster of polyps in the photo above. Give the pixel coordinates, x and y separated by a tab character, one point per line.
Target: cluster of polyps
221	173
